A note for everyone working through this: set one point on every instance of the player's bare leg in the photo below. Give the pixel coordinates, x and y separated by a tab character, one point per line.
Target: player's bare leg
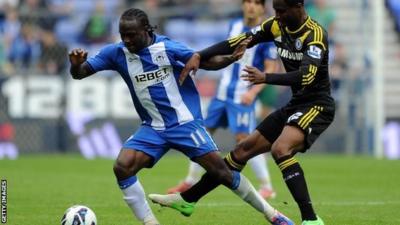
126	166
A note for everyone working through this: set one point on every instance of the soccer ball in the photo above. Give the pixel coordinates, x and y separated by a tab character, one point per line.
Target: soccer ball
79	215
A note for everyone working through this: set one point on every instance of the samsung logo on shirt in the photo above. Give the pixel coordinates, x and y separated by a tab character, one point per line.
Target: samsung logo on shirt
284	53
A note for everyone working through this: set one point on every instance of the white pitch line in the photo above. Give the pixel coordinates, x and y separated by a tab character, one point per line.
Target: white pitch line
336	203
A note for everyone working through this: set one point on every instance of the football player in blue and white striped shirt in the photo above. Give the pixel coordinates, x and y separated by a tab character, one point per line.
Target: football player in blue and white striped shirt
150	64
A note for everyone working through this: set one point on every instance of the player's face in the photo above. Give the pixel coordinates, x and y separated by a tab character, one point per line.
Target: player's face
286	15
134	36
252	9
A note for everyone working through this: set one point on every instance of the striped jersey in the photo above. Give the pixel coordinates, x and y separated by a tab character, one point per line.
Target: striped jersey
231	87
152	78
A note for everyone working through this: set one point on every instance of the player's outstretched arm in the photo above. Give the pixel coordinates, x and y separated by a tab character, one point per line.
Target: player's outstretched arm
221	61
209	61
79	68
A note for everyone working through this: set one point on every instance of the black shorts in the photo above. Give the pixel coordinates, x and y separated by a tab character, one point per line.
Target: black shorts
311	119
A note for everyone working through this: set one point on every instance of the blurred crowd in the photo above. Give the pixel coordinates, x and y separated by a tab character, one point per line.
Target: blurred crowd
35	35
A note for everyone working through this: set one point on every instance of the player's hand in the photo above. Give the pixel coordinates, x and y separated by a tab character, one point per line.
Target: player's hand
240	49
77	56
254	75
191	67
247	98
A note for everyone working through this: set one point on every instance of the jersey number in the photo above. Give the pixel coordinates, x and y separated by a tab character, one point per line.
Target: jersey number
243	119
198	138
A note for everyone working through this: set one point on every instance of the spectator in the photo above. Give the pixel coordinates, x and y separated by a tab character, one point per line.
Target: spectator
9	30
11	26
24	50
60	8
5	67
97	27
53	54
34	11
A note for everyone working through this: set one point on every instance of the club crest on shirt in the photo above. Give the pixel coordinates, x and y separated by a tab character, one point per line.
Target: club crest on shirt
298	44
131	59
255	29
160	58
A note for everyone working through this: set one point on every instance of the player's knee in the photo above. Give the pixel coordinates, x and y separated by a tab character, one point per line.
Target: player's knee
280	149
242	151
118	168
123	169
243	145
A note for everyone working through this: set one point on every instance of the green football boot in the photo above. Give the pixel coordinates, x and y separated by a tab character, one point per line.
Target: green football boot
174	201
313	222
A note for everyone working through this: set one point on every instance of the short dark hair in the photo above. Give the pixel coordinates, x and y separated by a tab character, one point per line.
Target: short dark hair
139	15
294	2
262	1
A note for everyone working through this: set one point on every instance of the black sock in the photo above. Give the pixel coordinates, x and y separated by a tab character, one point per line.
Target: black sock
207	183
296	182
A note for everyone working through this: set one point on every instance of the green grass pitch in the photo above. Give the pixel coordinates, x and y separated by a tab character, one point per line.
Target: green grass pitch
345	191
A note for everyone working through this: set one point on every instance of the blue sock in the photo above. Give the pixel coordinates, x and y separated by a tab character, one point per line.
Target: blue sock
235	179
123	184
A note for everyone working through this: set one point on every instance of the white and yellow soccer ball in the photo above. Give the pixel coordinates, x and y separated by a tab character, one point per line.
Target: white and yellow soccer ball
79	215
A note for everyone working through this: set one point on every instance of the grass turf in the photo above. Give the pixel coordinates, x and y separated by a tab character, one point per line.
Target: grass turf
345	191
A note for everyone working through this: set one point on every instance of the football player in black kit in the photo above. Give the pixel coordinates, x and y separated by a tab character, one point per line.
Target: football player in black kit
303	47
